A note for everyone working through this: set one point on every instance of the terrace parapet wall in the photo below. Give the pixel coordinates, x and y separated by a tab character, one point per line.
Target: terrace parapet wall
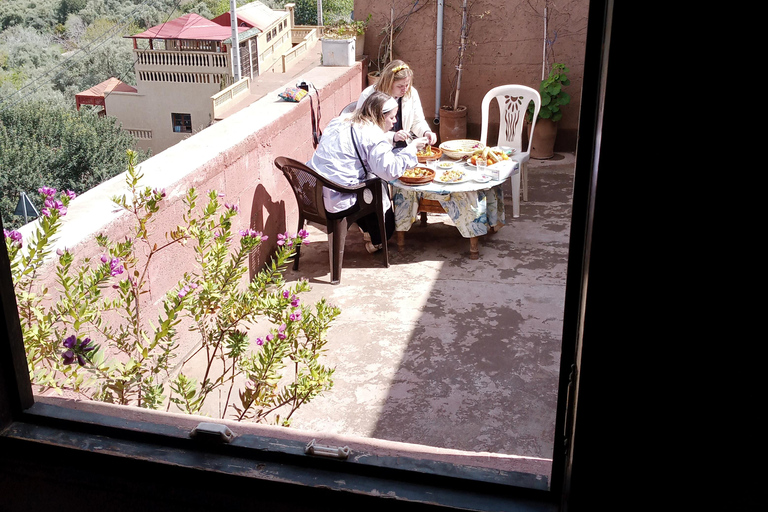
235	157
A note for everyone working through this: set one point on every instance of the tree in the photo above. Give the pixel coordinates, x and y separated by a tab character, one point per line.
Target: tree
48	144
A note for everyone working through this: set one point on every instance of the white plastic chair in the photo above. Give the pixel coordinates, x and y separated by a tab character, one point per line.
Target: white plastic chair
513	103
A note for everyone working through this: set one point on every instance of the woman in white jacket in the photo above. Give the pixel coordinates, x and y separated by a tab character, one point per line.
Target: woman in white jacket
337	160
397	81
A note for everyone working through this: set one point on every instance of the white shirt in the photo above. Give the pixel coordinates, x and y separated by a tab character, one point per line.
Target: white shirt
336	159
412	113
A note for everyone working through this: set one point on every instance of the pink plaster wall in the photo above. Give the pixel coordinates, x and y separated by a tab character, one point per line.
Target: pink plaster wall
234	156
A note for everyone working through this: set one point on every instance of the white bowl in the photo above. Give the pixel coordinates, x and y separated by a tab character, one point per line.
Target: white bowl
444	166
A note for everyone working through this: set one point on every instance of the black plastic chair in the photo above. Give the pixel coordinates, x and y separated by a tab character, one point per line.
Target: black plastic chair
308	186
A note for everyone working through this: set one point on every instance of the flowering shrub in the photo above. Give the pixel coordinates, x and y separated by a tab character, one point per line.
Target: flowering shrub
73	342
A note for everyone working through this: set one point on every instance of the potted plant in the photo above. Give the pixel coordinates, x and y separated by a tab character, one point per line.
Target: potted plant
453	117
348	29
552	98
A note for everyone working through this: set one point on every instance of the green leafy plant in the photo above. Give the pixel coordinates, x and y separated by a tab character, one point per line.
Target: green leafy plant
552	94
345	29
94	338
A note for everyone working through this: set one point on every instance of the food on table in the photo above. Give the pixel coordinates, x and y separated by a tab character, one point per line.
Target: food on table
418	172
491	156
451	176
444	166
427	151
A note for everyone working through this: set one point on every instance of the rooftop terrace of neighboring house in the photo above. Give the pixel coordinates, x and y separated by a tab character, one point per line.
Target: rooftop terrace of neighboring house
185	77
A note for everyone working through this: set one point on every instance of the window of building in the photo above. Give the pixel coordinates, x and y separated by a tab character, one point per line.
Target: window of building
182	123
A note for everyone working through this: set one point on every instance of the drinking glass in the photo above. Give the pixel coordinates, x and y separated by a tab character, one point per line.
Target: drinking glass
480	165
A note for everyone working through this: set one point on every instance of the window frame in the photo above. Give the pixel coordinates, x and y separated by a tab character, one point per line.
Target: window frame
39	424
182	121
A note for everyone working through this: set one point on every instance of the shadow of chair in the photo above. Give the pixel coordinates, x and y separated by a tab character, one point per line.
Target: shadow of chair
349	108
308	186
513	103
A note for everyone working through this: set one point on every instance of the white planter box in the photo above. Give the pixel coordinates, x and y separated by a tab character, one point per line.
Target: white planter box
338	52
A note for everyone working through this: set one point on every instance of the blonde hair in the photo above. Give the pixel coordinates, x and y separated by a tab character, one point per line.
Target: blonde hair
394	71
372	110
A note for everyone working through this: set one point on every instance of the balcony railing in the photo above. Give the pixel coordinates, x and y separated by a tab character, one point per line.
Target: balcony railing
222	100
155	59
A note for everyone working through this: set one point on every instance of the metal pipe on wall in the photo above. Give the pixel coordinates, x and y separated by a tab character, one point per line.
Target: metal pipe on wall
439	60
235	41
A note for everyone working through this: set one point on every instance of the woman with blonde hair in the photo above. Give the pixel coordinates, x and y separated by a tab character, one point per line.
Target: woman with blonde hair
397	81
354	145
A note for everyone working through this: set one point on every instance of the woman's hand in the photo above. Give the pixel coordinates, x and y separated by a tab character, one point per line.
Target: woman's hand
400	135
419	143
431	138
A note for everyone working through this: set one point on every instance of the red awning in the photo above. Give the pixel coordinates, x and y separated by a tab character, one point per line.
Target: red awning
96	94
190	26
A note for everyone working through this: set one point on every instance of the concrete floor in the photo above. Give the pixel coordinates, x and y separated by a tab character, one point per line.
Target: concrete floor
444	351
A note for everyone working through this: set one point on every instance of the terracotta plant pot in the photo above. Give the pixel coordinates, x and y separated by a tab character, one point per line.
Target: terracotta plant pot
453	123
543	143
373	77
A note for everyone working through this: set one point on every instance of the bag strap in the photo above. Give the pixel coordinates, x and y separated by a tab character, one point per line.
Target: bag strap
317	133
365	169
354	143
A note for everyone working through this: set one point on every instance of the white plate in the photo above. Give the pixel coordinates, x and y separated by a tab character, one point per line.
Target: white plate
462	180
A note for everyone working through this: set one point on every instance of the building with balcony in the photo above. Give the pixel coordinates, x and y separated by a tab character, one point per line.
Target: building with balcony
185	73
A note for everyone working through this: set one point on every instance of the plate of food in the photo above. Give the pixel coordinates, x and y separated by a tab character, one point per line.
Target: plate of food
461	148
491	155
452	176
417	176
428	154
444	166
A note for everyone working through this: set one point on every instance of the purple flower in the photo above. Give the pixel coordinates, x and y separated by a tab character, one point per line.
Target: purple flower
54	204
295	301
14	235
232	207
286	294
70	194
184	291
270	337
296	315
159	192
104	258
284	239
253	234
259	341
115	267
303	234
47	191
70	341
281	332
76	350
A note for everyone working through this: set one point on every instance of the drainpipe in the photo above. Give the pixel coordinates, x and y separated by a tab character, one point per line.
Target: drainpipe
235	41
438	60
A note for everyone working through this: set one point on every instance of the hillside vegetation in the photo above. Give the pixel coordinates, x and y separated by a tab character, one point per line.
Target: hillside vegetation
50	50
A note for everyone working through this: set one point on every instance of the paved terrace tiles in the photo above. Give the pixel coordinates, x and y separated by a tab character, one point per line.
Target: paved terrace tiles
445	351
